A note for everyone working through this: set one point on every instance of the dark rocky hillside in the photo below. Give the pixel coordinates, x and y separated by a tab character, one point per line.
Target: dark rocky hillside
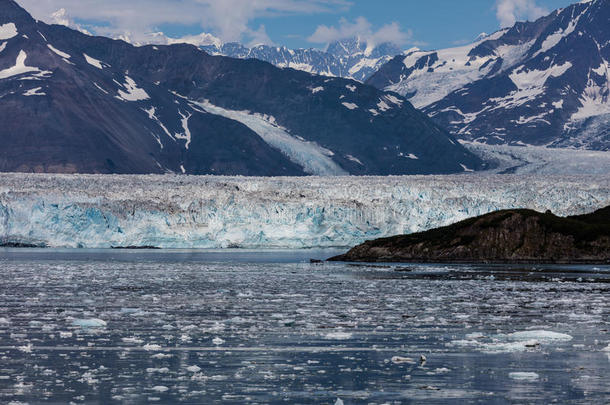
74	103
504	236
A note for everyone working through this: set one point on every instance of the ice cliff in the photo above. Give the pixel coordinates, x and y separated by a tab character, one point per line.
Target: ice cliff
97	211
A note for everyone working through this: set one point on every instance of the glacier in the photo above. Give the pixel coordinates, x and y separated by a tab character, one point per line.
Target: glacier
173	211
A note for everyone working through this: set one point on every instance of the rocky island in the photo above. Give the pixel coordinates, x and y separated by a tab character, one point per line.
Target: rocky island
509	236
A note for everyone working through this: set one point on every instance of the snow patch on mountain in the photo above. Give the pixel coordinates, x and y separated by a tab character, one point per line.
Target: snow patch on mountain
186	135
527	79
317	89
21	68
432	75
539	160
8	31
34	92
313	158
152	115
133	92
93	61
536	83
58	52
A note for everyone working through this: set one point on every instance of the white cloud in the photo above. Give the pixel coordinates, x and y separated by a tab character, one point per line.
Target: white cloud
362	28
511	11
228	19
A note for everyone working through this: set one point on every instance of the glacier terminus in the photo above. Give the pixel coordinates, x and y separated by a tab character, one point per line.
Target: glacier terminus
103	211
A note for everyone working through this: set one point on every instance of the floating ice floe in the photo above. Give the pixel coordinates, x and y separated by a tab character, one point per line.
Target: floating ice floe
524	376
133	340
218	341
338	336
540	335
402	360
193	369
160	370
513	342
89	323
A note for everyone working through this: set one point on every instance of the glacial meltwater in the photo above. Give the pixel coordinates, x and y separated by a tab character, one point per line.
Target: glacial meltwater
247	327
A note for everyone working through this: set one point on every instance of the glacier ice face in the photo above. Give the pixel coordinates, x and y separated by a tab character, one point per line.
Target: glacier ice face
99	211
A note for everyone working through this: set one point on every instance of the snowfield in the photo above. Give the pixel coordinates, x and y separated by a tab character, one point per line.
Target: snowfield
99	211
540	160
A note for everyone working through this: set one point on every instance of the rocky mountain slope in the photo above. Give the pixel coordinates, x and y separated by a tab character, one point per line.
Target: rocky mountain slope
545	82
70	102
502	236
352	58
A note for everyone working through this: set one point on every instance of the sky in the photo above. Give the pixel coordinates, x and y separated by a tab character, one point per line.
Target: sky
427	24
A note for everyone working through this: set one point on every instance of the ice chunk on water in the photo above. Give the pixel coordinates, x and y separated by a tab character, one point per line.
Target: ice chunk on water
539	335
338	336
218	341
401	360
524	376
89	323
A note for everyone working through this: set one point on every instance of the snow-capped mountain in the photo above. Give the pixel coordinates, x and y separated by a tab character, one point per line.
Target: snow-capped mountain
353	58
542	83
70	102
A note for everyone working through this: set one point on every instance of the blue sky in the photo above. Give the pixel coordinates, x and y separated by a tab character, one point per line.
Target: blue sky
296	23
431	23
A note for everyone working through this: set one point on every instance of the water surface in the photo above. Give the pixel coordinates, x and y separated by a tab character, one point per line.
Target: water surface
269	327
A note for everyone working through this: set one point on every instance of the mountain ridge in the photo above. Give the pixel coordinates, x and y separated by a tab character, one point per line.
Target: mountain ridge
545	82
72	102
351	58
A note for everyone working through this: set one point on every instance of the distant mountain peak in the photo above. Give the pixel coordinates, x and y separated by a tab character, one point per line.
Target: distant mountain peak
352	58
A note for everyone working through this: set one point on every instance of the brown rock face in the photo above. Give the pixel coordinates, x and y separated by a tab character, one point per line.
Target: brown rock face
503	236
